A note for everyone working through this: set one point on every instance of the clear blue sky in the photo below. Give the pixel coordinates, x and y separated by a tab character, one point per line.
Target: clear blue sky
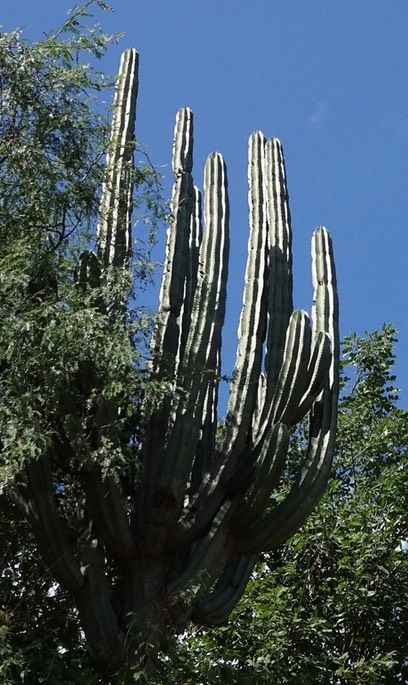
329	78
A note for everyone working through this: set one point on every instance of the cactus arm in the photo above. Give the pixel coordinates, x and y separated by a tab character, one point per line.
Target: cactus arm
302	374
290	384
201	354
252	326
207	561
95	606
238	478
215	607
165	342
279	296
267	472
167	331
204	339
88	272
316	376
195	239
230	480
179	262
48	527
282	522
114	235
326	313
326	307
200	510
169	456
288	516
221	482
280	304
182	159
205	450
107	508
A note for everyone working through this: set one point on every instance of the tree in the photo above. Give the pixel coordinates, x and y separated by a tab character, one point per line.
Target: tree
331	606
141	516
54	136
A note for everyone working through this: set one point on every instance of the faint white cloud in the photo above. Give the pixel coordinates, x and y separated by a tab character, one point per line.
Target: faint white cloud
317	118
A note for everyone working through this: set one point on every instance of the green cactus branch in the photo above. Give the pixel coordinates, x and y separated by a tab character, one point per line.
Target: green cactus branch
177	264
114	233
252	327
216	607
46	522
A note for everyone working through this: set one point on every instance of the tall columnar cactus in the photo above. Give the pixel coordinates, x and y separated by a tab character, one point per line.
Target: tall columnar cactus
183	543
114	231
205	497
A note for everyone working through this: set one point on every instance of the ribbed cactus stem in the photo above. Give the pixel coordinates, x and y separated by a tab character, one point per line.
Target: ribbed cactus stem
199	364
88	272
182	160
114	234
218	604
252	326
181	249
290	383
194	242
172	326
315	378
266	476
204	337
208	559
278	525
280	259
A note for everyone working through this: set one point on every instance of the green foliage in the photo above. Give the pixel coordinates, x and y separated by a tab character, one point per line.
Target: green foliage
54	136
60	356
65	361
331	606
51	139
40	638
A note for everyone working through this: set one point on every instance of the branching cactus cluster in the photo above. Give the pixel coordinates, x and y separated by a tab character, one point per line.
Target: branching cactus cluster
208	494
183	545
